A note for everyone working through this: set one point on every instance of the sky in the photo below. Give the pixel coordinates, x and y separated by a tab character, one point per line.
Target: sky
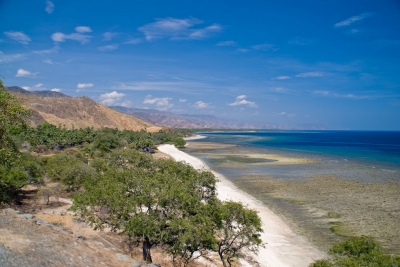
283	63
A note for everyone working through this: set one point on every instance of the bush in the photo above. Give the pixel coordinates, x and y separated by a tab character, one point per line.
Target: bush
179	142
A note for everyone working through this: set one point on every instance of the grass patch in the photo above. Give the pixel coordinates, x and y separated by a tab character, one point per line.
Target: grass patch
338	228
333	215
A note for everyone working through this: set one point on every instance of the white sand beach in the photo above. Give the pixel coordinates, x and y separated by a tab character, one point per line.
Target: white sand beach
284	247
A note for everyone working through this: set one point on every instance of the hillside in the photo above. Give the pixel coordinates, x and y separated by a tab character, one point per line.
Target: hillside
169	119
59	109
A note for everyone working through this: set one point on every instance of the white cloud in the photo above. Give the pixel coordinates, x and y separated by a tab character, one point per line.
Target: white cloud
107	48
353	19
278	90
281	78
85	85
48	61
10	58
351	96
39	85
182	100
241	100
26	88
242	50
53	50
108	36
177	29
25	73
83	29
227	43
310	74
20	37
284	113
78	36
56	90
201	104
161	103
265	47
49	7
134	41
110	99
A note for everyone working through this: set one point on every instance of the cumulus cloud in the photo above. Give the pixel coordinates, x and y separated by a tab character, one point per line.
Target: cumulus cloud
83	29
108	36
241	100
161	103
85	85
27	88
79	35
281	78
20	37
182	100
108	48
56	90
25	73
110	99
284	113
201	104
310	74
227	43
39	85
278	90
177	29
49	7
353	19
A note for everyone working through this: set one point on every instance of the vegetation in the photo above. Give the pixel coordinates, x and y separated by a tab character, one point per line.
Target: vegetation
154	202
358	251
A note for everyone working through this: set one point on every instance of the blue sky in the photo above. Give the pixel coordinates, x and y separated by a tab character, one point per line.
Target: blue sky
280	63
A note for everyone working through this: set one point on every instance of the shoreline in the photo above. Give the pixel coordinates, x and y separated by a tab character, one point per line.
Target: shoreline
284	247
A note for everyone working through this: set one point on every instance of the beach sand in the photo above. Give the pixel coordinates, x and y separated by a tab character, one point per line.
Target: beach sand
284	246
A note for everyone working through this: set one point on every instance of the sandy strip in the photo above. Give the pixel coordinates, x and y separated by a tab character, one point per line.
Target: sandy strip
284	247
195	137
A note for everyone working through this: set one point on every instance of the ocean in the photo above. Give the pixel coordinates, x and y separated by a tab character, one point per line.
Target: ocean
326	184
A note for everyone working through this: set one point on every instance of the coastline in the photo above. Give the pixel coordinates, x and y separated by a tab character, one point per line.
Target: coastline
283	246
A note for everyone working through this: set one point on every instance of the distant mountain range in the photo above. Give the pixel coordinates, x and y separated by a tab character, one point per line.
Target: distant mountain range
62	110
173	120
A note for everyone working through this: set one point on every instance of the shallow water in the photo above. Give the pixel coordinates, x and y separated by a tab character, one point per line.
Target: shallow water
305	185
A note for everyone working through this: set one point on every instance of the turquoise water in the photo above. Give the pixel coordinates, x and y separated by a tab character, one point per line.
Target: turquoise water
359	155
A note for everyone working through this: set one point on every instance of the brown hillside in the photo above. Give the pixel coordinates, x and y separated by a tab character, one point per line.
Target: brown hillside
80	112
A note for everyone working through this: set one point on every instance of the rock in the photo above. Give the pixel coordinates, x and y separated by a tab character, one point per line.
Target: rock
78	235
136	264
123	257
26	216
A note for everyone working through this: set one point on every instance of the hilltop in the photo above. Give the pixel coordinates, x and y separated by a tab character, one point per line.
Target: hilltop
80	112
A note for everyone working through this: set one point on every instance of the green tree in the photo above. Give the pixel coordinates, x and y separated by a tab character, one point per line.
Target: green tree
12	114
179	142
358	251
239	228
150	201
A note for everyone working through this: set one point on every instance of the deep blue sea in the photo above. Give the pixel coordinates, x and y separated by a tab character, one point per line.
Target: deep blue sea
379	147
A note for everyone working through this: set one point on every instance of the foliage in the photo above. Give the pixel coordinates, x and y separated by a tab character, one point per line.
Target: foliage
151	201
69	170
179	142
239	228
12	176
358	251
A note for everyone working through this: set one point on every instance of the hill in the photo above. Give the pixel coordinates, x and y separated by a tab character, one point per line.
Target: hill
173	120
62	110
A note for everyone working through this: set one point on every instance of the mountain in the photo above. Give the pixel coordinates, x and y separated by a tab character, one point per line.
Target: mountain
173	120
17	89
62	110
